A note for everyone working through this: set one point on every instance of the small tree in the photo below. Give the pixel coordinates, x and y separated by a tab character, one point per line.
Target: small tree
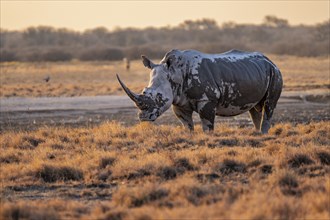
323	31
101	54
273	21
56	55
204	24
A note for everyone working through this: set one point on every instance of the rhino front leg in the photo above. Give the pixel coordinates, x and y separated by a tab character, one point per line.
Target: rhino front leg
206	112
184	114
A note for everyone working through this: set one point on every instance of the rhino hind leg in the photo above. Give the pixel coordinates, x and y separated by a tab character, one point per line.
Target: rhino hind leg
256	117
206	111
184	114
267	113
272	96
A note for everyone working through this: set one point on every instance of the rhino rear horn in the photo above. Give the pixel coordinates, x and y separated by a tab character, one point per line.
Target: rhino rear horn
135	97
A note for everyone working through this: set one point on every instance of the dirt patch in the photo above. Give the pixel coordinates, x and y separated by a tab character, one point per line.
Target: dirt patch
325	98
33	113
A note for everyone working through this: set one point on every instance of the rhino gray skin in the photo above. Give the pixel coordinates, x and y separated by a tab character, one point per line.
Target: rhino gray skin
226	84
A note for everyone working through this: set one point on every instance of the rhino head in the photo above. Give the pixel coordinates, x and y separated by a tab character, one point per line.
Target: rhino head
160	93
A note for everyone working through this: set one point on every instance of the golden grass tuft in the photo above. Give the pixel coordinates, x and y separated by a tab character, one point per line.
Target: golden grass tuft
106	161
299	160
25	211
324	157
49	173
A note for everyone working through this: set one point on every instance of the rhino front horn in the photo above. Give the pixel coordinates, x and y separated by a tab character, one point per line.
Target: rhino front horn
130	94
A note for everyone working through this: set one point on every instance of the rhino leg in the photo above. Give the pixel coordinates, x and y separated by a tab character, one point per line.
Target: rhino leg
267	113
206	111
272	96
184	114
256	117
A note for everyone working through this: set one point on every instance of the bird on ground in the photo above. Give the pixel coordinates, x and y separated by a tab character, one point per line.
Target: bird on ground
47	78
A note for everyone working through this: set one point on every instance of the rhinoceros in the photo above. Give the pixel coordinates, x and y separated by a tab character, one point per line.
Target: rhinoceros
225	84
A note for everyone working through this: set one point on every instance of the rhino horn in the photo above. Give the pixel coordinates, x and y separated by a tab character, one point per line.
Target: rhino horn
135	97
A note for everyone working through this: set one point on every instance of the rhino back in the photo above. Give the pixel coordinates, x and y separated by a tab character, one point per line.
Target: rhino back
236	80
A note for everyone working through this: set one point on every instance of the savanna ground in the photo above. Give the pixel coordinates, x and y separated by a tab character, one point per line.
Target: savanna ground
98	78
112	170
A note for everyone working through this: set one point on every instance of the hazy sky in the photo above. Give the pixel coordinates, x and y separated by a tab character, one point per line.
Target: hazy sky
81	15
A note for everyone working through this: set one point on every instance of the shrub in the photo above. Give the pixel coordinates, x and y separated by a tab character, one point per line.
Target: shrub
324	157
34	56
53	55
9	159
152	196
56	55
167	173
150	51
33	141
50	173
29	143
106	161
298	160
19	211
288	180
229	142
196	194
266	169
139	174
101	54
207	177
7	56
183	164
115	215
289	184
299	48
231	166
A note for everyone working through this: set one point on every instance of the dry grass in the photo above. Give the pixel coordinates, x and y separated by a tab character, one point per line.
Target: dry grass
164	172
300	73
98	78
68	78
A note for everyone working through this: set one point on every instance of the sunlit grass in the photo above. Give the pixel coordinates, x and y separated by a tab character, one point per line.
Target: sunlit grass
161	172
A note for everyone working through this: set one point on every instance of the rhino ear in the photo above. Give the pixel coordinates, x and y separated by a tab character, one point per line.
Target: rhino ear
169	61
147	63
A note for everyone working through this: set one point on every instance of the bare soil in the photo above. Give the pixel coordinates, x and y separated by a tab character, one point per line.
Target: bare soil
31	113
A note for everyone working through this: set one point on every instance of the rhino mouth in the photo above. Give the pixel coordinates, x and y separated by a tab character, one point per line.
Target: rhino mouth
147	116
147	119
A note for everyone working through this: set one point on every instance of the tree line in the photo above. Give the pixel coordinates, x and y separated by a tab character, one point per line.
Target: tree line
275	35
